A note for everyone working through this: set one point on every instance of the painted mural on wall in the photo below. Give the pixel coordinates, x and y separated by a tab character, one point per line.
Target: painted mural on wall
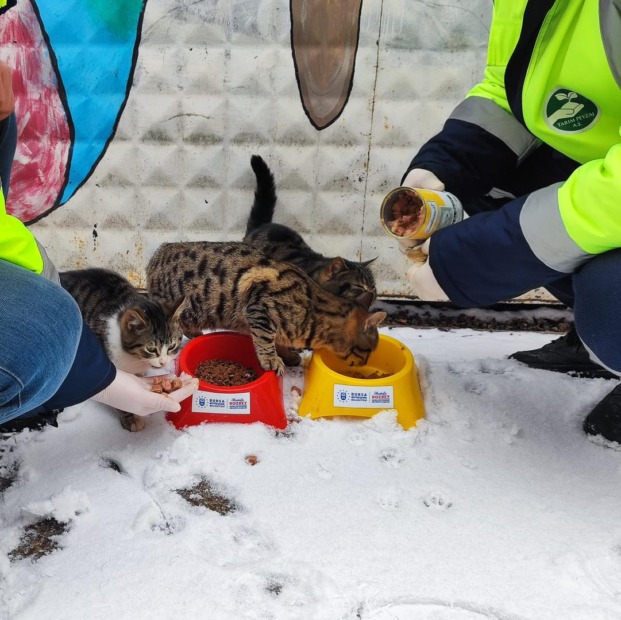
73	66
324	40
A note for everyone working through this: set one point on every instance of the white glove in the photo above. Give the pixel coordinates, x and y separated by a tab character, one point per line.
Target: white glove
423	179
133	394
421	277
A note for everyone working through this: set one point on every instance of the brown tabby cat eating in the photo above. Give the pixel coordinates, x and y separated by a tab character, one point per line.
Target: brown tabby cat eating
231	285
338	275
137	333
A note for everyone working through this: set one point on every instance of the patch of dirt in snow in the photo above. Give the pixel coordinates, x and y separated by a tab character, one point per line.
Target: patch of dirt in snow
205	494
39	539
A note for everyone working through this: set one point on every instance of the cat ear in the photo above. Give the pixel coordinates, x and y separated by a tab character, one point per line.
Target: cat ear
171	309
366	299
133	320
336	266
366	263
375	320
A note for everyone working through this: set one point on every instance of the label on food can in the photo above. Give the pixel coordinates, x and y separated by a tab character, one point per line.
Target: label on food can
438	217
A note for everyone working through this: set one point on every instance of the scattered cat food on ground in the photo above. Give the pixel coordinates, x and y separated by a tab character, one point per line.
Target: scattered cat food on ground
39	539
294	404
162	385
225	373
204	494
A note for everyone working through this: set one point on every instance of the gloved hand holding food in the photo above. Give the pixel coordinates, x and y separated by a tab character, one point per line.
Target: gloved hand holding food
135	394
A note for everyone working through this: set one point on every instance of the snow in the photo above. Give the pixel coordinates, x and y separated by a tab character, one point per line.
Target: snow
495	506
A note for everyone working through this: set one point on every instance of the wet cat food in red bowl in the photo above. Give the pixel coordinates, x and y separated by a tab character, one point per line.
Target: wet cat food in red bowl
232	385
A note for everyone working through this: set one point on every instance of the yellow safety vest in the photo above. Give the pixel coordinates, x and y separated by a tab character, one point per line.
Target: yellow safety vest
571	100
17	244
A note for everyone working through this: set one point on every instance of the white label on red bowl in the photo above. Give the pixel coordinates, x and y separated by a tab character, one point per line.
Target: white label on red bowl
215	402
356	396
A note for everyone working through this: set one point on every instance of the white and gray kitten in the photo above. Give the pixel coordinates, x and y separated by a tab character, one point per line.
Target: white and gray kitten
137	333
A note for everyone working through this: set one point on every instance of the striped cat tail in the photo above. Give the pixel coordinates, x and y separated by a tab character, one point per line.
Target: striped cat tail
264	196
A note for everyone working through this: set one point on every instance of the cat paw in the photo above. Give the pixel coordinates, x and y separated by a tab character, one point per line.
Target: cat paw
278	366
131	422
275	363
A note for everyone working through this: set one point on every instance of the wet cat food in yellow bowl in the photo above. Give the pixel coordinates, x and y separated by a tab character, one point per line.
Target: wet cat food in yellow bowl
389	380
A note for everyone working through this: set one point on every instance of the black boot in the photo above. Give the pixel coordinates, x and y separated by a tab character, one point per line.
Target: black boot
605	419
34	420
565	354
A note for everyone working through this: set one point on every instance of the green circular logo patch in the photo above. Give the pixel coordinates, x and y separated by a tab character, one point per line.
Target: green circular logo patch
569	112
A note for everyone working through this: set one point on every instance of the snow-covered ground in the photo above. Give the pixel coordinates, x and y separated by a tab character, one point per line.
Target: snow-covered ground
495	506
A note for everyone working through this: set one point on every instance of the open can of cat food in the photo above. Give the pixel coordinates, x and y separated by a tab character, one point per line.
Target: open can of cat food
257	398
415	214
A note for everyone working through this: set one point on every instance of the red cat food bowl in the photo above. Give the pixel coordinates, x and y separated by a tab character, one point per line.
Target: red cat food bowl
260	400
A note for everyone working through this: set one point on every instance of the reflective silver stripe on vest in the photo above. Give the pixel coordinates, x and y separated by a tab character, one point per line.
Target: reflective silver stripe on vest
486	114
545	233
49	270
610	25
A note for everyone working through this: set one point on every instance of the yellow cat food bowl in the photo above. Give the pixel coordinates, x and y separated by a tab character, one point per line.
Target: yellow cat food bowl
388	381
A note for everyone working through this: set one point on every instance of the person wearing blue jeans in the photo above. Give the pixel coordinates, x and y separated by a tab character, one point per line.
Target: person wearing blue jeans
49	358
41	342
533	153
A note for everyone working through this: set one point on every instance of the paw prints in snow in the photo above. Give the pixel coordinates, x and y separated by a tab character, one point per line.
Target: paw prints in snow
389	499
436	500
392	457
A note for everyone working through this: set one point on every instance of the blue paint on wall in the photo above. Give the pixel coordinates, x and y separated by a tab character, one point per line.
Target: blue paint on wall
94	47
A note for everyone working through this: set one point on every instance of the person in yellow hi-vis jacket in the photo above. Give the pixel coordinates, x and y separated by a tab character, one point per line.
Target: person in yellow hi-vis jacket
49	359
534	155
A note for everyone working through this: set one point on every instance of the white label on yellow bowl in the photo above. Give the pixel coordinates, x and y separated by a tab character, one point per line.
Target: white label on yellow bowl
357	396
215	402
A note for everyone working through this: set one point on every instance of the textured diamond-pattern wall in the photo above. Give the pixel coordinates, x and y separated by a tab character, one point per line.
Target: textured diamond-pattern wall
215	82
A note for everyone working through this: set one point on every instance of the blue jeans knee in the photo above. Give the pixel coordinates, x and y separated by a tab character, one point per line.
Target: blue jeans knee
40	327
